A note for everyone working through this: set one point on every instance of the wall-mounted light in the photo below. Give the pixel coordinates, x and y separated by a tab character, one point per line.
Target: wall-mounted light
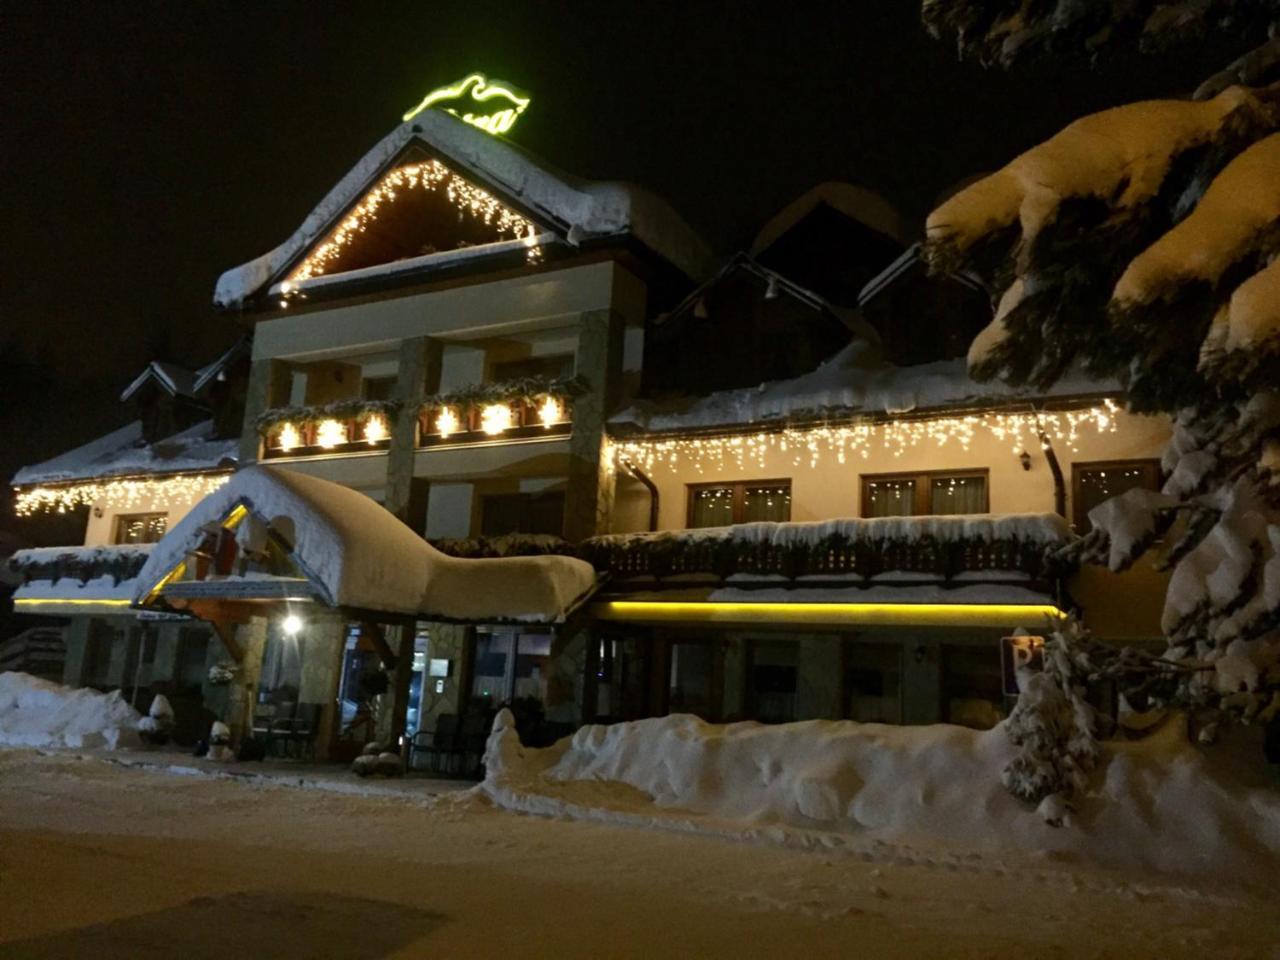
1025	459
291	624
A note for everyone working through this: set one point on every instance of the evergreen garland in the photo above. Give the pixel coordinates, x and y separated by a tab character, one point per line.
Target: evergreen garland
523	390
337	410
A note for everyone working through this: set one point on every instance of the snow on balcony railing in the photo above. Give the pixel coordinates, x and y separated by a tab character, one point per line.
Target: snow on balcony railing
965	548
121	562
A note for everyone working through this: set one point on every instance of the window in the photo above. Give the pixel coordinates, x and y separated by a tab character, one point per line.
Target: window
925	493
1094	483
511	664
141	527
549	367
522	513
379	388
722	504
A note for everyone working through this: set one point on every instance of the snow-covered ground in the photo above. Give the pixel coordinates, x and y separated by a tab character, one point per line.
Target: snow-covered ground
108	860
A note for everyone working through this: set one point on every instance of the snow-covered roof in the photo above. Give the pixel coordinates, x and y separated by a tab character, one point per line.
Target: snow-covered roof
123	453
582	210
60	580
360	555
856	203
175	380
854	381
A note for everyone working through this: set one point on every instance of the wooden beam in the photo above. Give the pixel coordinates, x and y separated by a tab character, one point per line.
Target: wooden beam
378	637
227	634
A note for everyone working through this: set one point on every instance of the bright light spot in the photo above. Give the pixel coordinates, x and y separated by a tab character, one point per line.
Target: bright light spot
550	413
292	624
330	433
495	418
447	422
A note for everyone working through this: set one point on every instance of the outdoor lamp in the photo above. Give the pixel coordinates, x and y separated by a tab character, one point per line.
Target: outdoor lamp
292	624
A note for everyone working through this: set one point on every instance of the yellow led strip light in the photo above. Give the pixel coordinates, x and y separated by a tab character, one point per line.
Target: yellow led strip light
478	89
872	614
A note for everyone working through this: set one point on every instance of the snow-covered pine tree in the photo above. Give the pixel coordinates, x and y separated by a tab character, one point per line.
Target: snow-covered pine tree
1144	243
1006	31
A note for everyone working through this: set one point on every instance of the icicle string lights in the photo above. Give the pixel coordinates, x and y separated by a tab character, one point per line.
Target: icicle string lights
428	175
125	494
807	445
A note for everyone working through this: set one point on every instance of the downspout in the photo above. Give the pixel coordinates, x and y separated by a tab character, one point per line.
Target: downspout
1055	468
653	492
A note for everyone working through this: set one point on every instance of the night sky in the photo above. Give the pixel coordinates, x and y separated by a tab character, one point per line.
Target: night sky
146	147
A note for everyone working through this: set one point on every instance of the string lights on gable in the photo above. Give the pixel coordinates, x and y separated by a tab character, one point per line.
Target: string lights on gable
120	495
430	175
807	445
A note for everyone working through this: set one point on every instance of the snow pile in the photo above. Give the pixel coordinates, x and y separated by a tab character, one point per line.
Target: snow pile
360	555
39	713
1156	804
583	210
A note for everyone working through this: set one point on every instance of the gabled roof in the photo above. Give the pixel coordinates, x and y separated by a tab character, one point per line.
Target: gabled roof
123	453
775	285
354	553
177	380
578	211
857	203
172	379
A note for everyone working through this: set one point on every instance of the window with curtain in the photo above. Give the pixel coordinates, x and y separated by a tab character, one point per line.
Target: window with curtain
924	494
1095	483
724	504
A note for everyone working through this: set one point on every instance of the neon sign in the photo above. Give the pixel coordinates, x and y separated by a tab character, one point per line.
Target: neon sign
494	104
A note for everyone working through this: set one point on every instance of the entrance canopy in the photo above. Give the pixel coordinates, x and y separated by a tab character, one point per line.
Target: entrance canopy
271	534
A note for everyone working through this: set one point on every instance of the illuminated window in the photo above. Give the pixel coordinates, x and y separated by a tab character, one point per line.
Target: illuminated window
923	494
722	504
1094	483
141	527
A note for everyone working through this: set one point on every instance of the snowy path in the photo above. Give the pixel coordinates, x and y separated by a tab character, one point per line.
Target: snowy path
102	860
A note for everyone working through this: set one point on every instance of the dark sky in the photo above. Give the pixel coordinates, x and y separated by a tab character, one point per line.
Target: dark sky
146	147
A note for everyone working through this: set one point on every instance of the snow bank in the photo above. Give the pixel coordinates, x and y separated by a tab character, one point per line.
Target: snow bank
360	555
1156	804
39	713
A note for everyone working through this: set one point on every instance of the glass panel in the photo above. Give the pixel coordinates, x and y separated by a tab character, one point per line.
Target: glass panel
533	654
493	666
972	688
141	528
774	681
712	507
767	503
1099	484
413	716
949	495
872	682
691	679
890	498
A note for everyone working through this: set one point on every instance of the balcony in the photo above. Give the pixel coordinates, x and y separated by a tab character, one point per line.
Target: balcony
943	550
521	410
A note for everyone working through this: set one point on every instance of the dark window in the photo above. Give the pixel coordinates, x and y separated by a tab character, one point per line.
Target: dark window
873	682
722	504
972	688
923	494
101	639
549	367
193	653
141	527
379	388
522	513
1095	483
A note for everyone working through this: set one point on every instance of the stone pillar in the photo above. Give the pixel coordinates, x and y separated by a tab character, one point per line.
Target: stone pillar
322	646
394	707
234	703
268	387
599	364
921	681
445	641
566	677
418	376
120	666
76	638
164	665
819	677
